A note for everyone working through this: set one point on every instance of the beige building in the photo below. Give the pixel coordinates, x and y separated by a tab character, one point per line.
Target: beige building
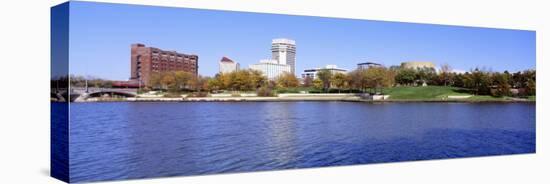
227	65
417	65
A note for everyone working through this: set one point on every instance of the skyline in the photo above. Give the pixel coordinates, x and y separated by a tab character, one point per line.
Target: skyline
101	35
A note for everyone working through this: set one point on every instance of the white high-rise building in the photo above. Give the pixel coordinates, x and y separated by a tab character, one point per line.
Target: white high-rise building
284	52
227	65
270	68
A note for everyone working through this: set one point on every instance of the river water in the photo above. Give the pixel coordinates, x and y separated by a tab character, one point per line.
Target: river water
122	140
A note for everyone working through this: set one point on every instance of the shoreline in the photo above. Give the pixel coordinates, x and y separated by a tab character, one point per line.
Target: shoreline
431	94
305	99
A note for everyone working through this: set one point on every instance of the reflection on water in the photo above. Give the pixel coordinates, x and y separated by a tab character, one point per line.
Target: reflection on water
138	140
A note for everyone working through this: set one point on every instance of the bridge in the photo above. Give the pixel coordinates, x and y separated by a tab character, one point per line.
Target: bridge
59	94
81	94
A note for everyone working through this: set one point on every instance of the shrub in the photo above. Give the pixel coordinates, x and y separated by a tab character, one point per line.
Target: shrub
288	90
264	91
198	94
172	95
315	91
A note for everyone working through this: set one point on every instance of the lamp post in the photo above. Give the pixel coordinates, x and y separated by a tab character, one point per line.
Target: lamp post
139	84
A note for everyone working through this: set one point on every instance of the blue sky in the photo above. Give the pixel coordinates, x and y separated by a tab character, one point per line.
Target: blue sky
101	34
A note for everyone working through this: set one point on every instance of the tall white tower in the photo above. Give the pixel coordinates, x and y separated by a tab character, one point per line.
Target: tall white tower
284	51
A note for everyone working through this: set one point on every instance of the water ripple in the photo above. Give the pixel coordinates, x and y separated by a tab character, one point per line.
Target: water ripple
138	140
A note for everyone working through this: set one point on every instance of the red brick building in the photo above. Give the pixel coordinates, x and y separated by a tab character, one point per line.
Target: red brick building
146	61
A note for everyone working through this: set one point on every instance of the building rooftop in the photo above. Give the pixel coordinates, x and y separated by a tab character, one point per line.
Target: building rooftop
329	67
226	59
169	52
369	63
417	64
284	40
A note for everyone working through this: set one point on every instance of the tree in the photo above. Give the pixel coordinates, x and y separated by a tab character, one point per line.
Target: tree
240	80
406	76
501	83
225	81
318	84
219	82
198	83
530	88
182	79
257	79
214	84
508	77
530	81
91	81
168	81
478	80
308	82
378	78
358	80
324	75
287	80
445	74
517	80
340	80
458	80
425	76
154	80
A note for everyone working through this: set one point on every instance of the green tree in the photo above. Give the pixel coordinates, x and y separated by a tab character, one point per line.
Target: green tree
425	76
479	81
530	88
530	81
406	76
502	85
458	80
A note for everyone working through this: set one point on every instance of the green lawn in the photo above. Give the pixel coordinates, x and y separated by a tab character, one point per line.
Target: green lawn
440	93
424	92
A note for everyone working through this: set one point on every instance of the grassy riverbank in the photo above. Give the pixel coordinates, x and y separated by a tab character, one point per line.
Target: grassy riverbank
443	93
424	93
